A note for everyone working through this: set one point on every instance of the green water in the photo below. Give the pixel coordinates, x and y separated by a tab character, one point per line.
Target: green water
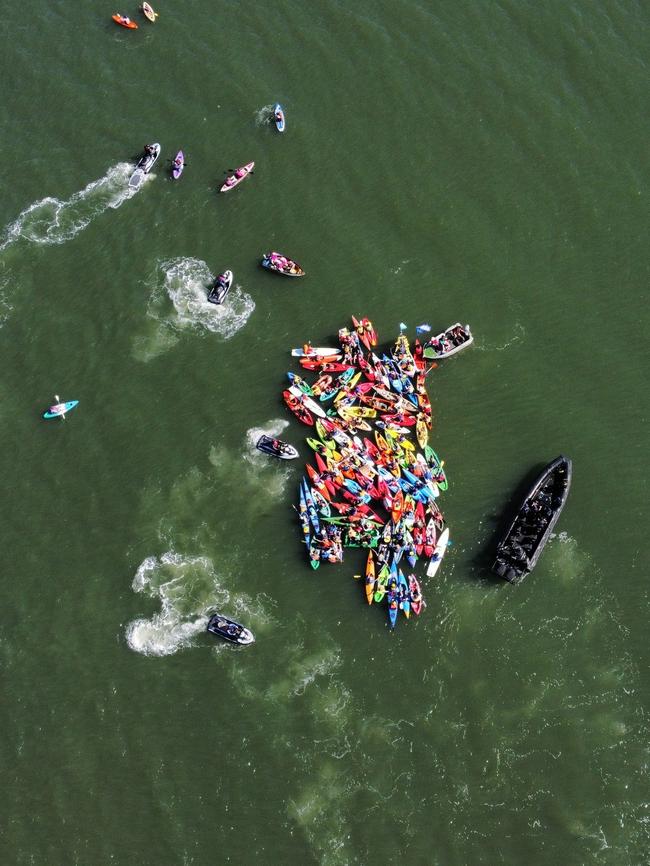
443	162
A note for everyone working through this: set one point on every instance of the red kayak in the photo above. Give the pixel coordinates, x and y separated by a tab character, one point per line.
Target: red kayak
301	413
409	420
366	332
417	602
324	366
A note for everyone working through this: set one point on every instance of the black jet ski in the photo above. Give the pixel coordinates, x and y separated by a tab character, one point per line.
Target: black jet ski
145	164
221	288
276	448
230	630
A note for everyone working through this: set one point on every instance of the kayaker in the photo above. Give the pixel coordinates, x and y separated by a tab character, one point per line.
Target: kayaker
240	172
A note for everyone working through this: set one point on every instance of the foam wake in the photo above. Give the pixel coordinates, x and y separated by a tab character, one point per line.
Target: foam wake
186	282
187	589
53	221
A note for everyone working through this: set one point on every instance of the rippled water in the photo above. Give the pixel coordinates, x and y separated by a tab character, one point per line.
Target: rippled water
483	164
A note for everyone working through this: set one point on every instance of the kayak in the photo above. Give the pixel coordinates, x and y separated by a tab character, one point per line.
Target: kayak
178	165
404	595
148	12
58	410
124	21
221	288
276	448
144	165
436	465
308	402
393	596
304	386
274	261
230	630
365	331
296	406
278	117
234	179
382	579
415	594
422	432
438	553
370	578
322	366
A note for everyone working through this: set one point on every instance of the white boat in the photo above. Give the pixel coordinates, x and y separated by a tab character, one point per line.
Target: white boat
450	341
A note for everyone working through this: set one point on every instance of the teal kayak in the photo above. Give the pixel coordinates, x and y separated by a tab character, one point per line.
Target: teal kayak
59	410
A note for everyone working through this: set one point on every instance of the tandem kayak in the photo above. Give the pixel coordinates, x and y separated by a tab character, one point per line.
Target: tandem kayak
276	448
144	164
278	117
58	410
234	179
221	288
230	630
281	265
124	21
178	164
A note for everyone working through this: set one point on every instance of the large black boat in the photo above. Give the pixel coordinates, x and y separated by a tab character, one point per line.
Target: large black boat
522	544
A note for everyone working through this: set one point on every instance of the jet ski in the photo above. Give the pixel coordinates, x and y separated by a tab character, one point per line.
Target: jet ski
144	164
221	288
276	448
230	630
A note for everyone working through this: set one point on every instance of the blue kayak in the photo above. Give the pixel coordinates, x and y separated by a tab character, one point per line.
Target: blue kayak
59	409
392	599
279	118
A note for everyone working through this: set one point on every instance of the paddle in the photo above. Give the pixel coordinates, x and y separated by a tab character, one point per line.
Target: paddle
58	400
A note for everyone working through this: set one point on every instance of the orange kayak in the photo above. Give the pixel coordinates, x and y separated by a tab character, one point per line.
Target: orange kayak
124	21
370	578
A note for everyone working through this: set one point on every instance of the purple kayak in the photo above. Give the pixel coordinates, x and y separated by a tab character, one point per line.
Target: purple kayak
178	165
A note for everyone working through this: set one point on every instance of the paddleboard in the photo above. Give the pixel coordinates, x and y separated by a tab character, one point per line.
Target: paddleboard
438	553
279	118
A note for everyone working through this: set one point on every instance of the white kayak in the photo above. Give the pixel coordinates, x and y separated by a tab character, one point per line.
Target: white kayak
315	352
307	402
438	553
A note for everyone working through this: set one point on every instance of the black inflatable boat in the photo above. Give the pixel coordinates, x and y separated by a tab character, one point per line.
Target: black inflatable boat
522	544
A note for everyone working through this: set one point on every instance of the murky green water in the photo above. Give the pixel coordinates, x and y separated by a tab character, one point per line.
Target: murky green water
443	162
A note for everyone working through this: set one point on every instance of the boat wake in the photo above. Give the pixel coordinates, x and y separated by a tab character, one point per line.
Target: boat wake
255	457
185	283
189	591
187	588
520	333
53	221
263	115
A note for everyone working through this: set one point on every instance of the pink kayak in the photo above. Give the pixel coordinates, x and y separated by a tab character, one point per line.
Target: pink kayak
234	179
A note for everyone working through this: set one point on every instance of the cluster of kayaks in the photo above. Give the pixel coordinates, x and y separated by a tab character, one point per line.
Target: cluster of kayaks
369	486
